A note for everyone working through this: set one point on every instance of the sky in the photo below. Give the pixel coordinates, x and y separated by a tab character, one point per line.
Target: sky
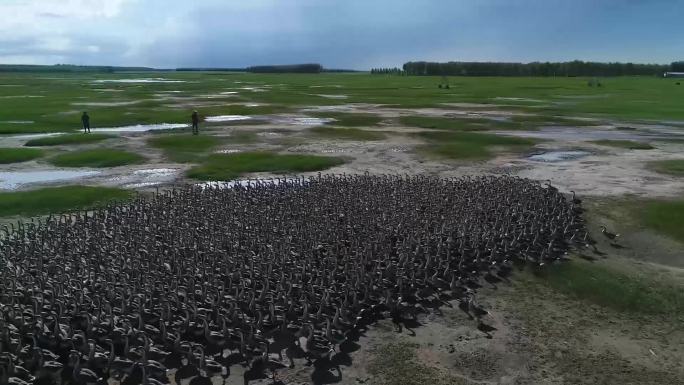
350	34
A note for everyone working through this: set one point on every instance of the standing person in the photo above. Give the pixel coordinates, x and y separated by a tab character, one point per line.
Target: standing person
195	123
85	119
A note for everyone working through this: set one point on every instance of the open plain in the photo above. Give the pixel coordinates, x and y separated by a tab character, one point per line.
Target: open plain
609	313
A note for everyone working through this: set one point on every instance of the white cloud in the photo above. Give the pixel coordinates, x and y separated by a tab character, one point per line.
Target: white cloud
41	31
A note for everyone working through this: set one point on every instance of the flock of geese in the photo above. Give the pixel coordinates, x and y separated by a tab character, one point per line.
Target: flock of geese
197	280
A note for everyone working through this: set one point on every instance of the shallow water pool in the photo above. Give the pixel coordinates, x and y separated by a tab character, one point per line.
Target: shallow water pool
10	180
142	127
226	118
559	156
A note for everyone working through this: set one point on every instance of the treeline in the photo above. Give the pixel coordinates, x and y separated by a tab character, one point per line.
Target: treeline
211	69
68	68
387	71
572	68
292	68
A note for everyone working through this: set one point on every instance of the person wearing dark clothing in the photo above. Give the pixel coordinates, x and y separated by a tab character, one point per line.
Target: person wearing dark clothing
195	123
85	119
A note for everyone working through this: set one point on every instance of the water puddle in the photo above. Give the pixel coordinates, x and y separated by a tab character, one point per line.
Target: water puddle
226	118
269	134
333	96
302	121
34	136
147	177
146	80
228	151
253	89
513	99
229	93
21	96
142	127
17	121
558	156
10	180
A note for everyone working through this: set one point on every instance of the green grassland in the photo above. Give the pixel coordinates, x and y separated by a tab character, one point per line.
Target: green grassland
62	97
68	139
224	167
98	158
666	217
184	148
607	286
470	145
671	167
16	155
58	199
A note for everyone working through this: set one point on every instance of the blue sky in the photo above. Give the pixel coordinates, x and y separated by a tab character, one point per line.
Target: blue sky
357	34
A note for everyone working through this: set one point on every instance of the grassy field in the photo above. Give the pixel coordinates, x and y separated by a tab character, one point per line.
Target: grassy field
666	217
445	123
671	167
99	158
224	167
64	97
470	145
626	144
16	155
606	286
185	148
58	199
68	139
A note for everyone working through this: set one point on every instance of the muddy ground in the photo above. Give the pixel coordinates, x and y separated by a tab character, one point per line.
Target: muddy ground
605	171
541	336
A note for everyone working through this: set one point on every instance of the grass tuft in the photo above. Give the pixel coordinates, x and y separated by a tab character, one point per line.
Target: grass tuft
666	217
611	288
627	144
97	158
67	139
470	145
59	199
439	123
185	148
223	167
671	167
16	155
346	133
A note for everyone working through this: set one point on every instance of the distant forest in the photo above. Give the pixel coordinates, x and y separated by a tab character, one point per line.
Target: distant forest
295	68
572	68
68	68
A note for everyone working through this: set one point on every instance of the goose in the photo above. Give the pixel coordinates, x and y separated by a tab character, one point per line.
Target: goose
487	329
608	234
83	375
575	200
302	264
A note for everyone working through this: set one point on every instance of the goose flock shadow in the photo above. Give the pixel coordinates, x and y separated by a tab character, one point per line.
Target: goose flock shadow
201	280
